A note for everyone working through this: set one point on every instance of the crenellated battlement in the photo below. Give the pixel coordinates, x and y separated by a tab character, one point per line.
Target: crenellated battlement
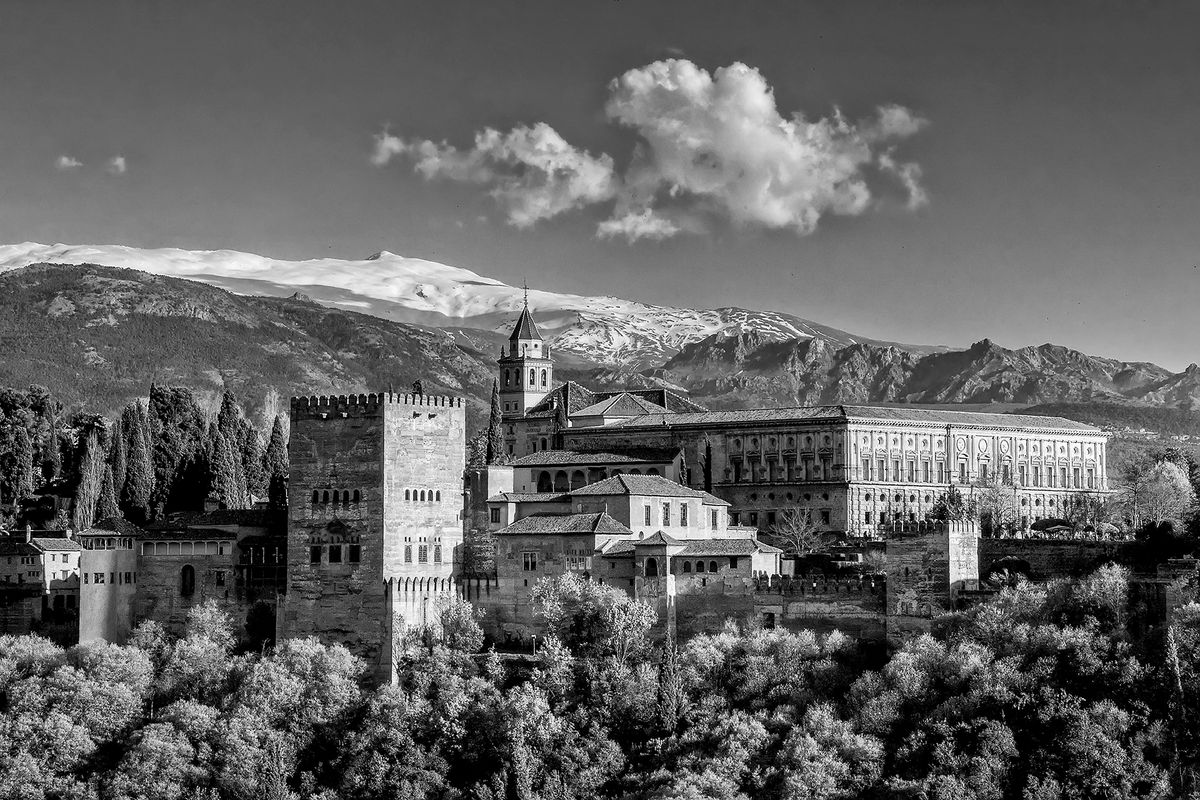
368	403
806	586
931	527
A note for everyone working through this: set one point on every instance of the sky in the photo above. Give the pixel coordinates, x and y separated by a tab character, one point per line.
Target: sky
927	172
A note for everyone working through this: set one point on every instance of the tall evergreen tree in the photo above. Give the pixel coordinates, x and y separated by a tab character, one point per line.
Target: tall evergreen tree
223	472
275	461
178	432
135	494
20	461
106	505
117	446
90	464
250	453
230	426
495	428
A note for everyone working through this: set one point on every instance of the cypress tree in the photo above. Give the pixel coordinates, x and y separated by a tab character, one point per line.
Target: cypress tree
106	505
177	430
495	429
116	454
223	480
250	453
90	463
229	426
275	461
22	479
139	471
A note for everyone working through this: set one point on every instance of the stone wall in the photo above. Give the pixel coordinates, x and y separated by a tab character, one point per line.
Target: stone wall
158	586
1045	559
377	549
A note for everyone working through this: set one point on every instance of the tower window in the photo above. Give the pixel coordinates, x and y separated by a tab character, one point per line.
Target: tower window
325	496
335	554
355	553
406	495
543	379
533	377
408	554
187	580
314	555
357	496
437	554
316	497
423	554
507	378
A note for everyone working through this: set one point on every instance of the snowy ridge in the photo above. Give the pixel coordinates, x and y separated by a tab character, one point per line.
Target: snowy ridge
604	330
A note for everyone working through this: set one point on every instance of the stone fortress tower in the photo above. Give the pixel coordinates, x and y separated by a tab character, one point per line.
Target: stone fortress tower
930	565
526	371
374	518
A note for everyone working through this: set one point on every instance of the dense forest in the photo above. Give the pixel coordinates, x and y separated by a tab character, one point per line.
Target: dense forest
164	455
1040	694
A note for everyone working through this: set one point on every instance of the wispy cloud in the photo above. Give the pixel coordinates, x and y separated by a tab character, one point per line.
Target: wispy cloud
66	162
117	165
712	147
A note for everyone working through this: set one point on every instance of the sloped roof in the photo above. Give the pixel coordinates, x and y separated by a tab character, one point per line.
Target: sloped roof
525	327
15	545
726	547
550	458
55	543
528	497
654	485
111	525
622	405
565	523
866	413
658	539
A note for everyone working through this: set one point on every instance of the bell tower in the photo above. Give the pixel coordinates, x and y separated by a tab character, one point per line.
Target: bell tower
526	371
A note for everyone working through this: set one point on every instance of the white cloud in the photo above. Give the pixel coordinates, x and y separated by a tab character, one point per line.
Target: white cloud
66	162
532	172
715	147
711	148
117	165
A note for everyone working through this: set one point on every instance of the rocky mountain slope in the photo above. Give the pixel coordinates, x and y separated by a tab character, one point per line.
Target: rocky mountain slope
98	336
600	330
734	369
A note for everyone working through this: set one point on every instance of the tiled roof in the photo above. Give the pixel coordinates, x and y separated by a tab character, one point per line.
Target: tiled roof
654	485
248	517
111	525
726	547
658	539
865	413
622	405
565	523
15	545
624	547
528	497
525	328
556	457
44	543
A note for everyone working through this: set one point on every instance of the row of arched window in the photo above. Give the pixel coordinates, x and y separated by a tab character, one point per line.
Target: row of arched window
342	498
423	495
515	375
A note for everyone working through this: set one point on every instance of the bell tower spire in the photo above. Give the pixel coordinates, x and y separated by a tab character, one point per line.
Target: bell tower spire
526	371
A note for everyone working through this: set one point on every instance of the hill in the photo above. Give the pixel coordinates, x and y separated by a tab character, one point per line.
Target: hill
98	336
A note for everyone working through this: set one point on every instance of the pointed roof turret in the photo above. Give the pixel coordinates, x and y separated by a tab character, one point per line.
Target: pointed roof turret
525	327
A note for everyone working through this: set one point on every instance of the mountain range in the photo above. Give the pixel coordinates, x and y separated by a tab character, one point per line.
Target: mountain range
98	324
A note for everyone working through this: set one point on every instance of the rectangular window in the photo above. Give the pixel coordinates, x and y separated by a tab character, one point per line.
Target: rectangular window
826	468
825	516
529	561
1075	477
666	514
355	553
1037	476
335	554
437	554
962	472
314	555
882	473
867	517
866	469
218	577
1062	473
85	578
1023	474
983	472
1006	473
408	554
771	518
733	562
577	563
1091	479
495	515
925	475
683	515
754	518
423	554
713	515
98	577
647	516
942	477
896	471
912	472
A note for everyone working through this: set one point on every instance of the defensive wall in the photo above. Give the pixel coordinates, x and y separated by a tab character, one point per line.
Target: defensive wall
1044	559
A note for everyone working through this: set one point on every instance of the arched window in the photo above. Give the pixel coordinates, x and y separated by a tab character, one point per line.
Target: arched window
325	496
687	566
422	498
712	566
578	479
406	495
316	497
346	498
545	483
560	482
699	566
652	471
651	567
543	379
533	377
187	581
439	496
635	471
357	496
507	378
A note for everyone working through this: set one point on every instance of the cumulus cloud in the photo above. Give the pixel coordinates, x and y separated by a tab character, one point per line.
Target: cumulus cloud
117	165
711	147
66	162
531	171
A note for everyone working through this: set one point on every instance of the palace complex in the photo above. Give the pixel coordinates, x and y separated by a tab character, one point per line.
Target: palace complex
640	489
